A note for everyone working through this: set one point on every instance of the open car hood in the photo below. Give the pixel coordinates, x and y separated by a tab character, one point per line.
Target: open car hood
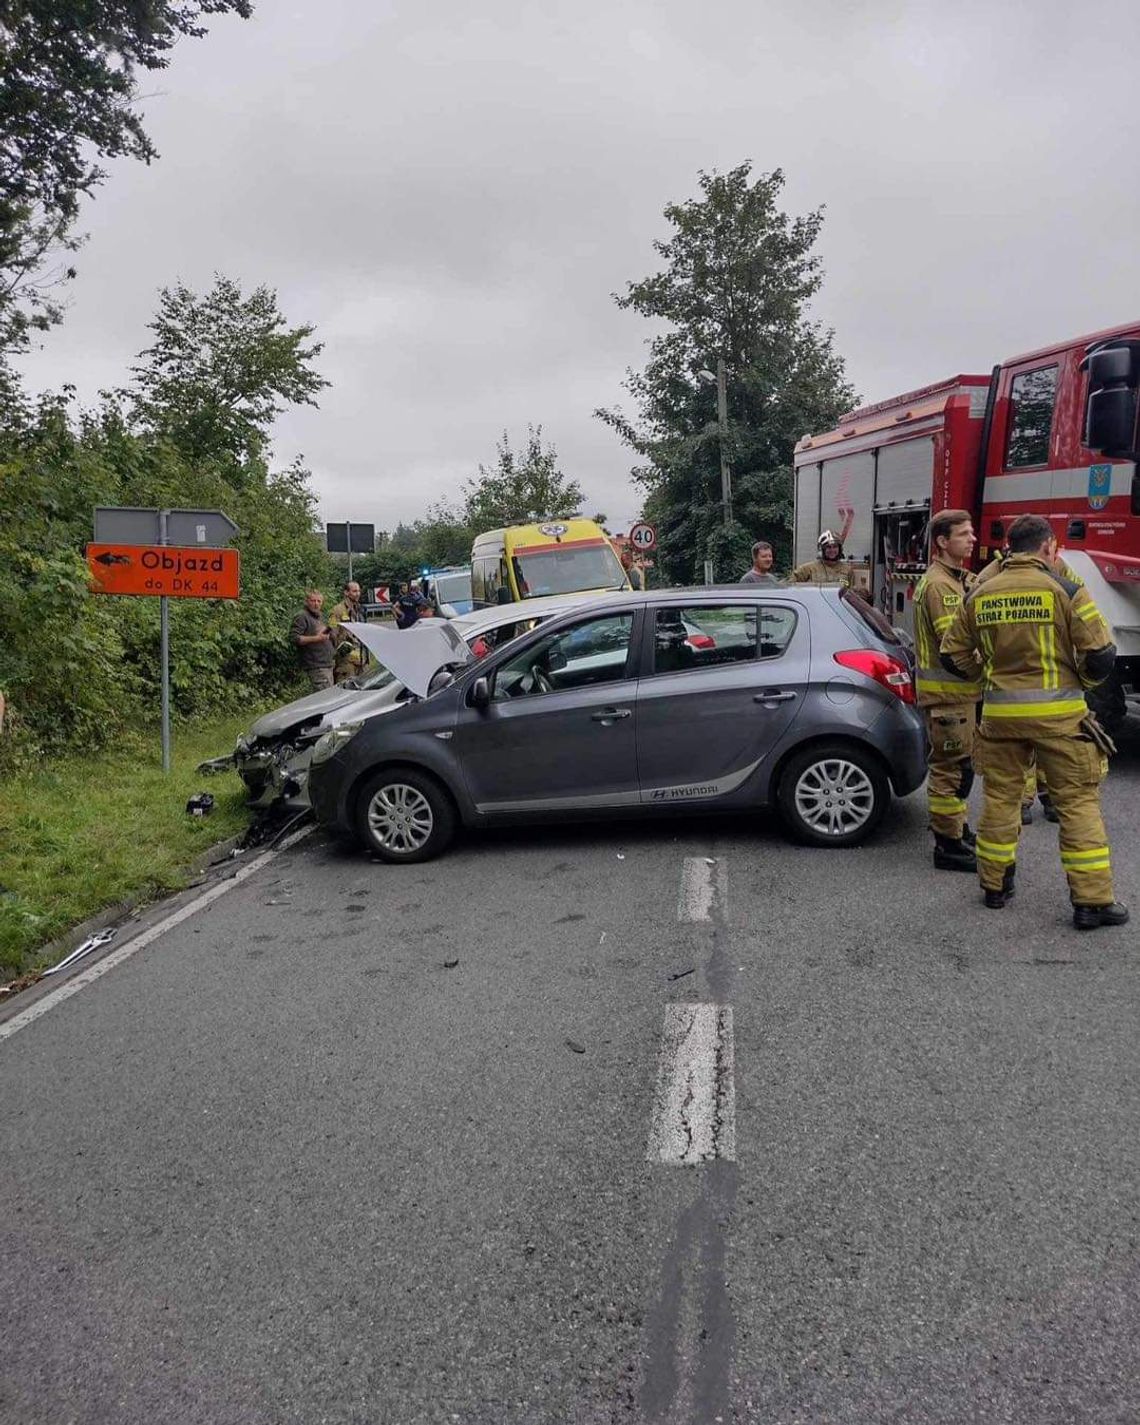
414	655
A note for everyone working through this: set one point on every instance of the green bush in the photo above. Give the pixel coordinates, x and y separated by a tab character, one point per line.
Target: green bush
78	668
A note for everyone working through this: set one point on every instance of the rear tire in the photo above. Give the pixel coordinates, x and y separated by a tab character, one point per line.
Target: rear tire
833	794
404	816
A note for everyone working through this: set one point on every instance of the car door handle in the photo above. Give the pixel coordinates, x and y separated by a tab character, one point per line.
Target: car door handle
610	715
773	695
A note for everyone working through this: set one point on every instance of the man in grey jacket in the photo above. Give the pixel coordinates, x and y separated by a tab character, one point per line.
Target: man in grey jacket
761	571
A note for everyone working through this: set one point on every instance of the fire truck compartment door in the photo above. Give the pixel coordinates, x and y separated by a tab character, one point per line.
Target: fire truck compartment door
906	472
846	496
807	513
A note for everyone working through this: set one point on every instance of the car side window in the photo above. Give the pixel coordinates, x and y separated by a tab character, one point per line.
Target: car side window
689	637
578	657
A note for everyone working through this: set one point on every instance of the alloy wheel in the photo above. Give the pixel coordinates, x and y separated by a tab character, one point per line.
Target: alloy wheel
400	818
834	797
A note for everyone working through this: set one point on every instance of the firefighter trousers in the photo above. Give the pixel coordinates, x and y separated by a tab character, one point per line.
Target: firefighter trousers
951	770
1074	769
1035	784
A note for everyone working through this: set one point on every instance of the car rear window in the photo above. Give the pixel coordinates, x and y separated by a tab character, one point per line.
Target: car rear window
868	614
688	637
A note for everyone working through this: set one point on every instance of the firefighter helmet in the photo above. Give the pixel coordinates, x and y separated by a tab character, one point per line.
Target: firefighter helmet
828	537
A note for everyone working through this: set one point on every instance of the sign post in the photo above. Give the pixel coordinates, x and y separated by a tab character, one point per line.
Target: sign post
164	653
350	539
133	553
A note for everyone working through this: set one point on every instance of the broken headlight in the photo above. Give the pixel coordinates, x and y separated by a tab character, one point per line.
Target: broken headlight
333	740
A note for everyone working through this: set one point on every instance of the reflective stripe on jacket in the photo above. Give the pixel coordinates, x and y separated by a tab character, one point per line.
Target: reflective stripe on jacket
937	598
1034	631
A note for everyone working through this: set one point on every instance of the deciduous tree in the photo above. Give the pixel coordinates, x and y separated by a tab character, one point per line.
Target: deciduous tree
221	368
519	489
67	101
737	276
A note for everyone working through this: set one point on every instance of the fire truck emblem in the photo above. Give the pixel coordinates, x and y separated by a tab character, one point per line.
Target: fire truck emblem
1100	486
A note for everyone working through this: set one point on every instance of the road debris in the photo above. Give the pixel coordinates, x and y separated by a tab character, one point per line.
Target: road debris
575	1046
24	982
215	766
450	964
680	974
91	943
621	855
200	804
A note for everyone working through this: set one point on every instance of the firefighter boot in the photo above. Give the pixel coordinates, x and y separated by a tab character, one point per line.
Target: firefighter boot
968	837
1048	808
1089	917
953	855
997	900
1026	813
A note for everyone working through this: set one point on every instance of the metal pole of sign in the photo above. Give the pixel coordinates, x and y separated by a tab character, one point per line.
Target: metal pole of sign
164	654
348	541
722	427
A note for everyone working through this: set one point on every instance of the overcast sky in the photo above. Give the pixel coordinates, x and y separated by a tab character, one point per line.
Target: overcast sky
451	192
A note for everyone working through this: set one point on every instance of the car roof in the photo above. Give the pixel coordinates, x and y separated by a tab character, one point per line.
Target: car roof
480	620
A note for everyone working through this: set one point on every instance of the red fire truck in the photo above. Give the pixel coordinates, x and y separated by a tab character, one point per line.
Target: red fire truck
1053	432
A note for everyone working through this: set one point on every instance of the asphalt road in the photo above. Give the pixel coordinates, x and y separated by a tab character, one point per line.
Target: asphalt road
291	1163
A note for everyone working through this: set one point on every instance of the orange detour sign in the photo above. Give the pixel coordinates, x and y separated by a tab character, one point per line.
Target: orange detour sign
165	569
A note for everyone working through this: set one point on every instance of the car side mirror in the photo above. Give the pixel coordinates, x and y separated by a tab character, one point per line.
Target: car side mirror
480	694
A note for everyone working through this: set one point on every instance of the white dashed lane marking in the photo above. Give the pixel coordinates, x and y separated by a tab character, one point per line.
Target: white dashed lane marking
694	1107
704	885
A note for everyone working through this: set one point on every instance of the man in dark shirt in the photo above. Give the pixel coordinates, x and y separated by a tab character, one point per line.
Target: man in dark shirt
313	640
409	606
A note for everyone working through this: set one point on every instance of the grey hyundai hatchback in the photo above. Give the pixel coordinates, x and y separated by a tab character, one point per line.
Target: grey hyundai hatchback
697	699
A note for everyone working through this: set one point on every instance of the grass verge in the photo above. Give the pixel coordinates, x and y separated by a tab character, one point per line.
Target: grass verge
80	834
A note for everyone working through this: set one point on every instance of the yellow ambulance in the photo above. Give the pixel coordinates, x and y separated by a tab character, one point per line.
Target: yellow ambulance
531	561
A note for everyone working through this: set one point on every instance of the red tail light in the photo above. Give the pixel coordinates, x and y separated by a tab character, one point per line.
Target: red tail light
882	667
700	640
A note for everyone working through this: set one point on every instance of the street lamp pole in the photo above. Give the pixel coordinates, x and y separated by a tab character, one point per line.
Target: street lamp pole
722	426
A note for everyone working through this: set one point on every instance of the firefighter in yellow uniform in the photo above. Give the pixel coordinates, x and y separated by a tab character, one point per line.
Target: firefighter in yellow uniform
829	568
948	701
1035	783
1041	640
351	658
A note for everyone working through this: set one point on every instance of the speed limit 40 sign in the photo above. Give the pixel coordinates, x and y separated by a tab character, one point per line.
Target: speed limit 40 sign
643	537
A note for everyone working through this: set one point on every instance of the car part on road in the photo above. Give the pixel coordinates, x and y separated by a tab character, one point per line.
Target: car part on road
215	765
200	804
833	794
81	951
405	816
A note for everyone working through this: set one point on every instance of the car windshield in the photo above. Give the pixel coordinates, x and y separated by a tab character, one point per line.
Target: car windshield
566	571
376	677
453	588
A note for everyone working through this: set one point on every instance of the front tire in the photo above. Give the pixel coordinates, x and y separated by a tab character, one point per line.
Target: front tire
403	816
834	794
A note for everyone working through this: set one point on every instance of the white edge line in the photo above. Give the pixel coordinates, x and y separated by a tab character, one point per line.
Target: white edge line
140	942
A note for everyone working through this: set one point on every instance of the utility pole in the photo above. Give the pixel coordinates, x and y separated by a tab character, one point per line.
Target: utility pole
722	425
